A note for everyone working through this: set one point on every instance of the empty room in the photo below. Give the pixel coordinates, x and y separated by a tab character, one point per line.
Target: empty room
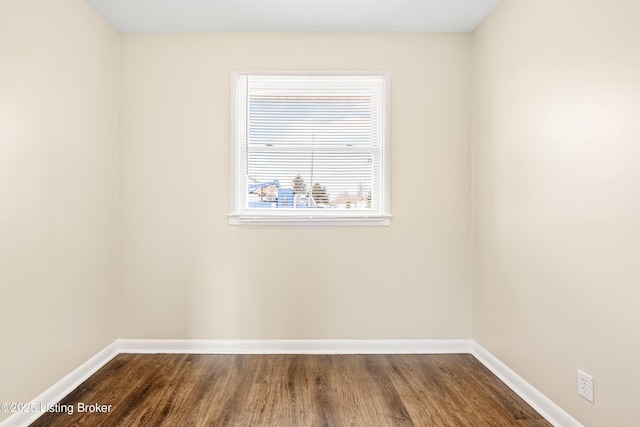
303	213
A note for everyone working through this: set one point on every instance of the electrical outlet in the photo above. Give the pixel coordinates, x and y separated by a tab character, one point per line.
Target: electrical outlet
585	385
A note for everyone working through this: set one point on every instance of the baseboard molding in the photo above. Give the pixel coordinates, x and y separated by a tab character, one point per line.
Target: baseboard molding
63	387
538	401
549	410
295	346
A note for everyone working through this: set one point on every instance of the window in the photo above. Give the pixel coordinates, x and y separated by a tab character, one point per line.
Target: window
310	148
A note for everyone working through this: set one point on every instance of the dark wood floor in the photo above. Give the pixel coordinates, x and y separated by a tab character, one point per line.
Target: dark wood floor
294	390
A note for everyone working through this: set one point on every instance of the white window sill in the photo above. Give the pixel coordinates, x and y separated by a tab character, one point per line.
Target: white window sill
257	219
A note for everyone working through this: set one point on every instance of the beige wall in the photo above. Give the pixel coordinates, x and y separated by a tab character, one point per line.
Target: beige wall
58	153
556	159
185	273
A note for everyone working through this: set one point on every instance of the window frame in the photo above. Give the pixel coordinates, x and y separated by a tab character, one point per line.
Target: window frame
239	216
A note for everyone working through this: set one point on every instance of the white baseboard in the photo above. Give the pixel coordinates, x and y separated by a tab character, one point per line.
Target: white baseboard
295	346
549	410
63	387
538	401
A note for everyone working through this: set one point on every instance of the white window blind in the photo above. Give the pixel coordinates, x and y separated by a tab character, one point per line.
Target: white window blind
310	147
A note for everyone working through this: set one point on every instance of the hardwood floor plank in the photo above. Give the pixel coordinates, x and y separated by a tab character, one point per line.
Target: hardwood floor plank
423	392
295	390
387	397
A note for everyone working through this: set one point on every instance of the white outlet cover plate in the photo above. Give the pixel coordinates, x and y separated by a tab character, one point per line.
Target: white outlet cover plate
585	385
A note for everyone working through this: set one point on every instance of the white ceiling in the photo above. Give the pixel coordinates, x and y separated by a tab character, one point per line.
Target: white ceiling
159	16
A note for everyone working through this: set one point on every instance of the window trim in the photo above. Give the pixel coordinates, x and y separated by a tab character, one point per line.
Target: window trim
238	217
